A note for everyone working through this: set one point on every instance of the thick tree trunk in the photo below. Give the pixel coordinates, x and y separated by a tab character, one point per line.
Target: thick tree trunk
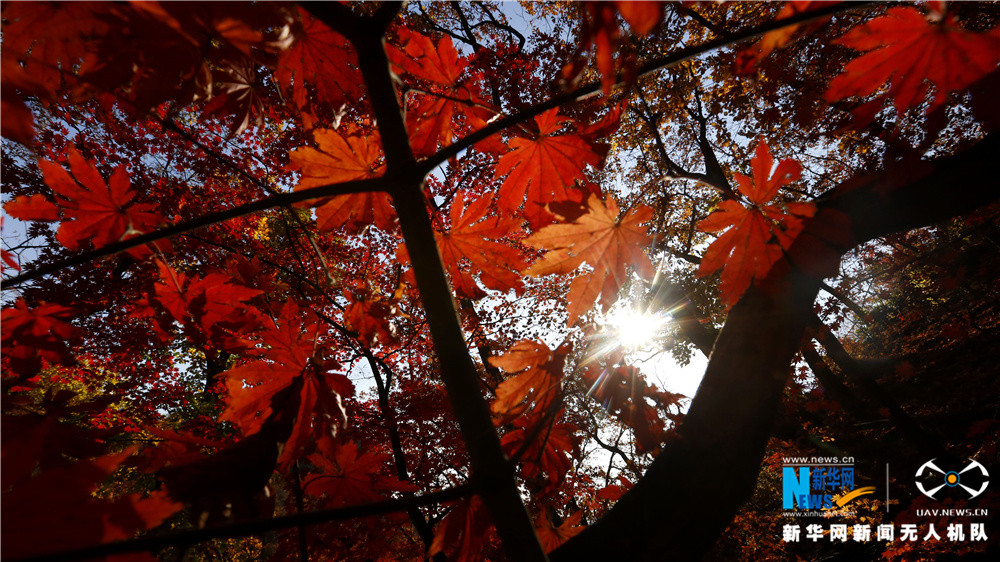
695	486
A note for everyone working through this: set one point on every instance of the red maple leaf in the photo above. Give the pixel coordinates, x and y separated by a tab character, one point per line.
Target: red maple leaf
428	123
550	451
32	334
321	58
429	119
9	259
608	243
350	476
464	533
238	93
56	509
90	48
344	158
544	168
90	209
212	309
291	360
369	317
42	40
600	29
756	234
474	244
623	391
32	208
420	57
909	53
612	492
537	379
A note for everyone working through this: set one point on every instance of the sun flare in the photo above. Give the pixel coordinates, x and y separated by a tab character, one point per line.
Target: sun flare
635	329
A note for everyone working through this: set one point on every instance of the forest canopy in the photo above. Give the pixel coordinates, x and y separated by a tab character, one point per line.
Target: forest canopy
384	281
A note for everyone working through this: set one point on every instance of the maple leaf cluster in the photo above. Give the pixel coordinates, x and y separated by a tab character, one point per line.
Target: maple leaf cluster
754	236
263	239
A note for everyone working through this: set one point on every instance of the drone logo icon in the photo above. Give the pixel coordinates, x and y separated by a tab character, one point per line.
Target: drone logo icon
950	479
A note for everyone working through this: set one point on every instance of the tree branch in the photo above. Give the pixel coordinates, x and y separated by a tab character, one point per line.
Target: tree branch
154	544
685	10
457	8
929	444
495	23
714	174
489	463
398	456
846	300
377	184
649	67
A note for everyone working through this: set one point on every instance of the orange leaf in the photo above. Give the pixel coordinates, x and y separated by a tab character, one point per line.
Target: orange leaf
420	57
604	241
522	355
907	51
515	395
357	210
429	119
539	383
338	159
643	16
341	159
756	235
473	244
552	536
544	168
